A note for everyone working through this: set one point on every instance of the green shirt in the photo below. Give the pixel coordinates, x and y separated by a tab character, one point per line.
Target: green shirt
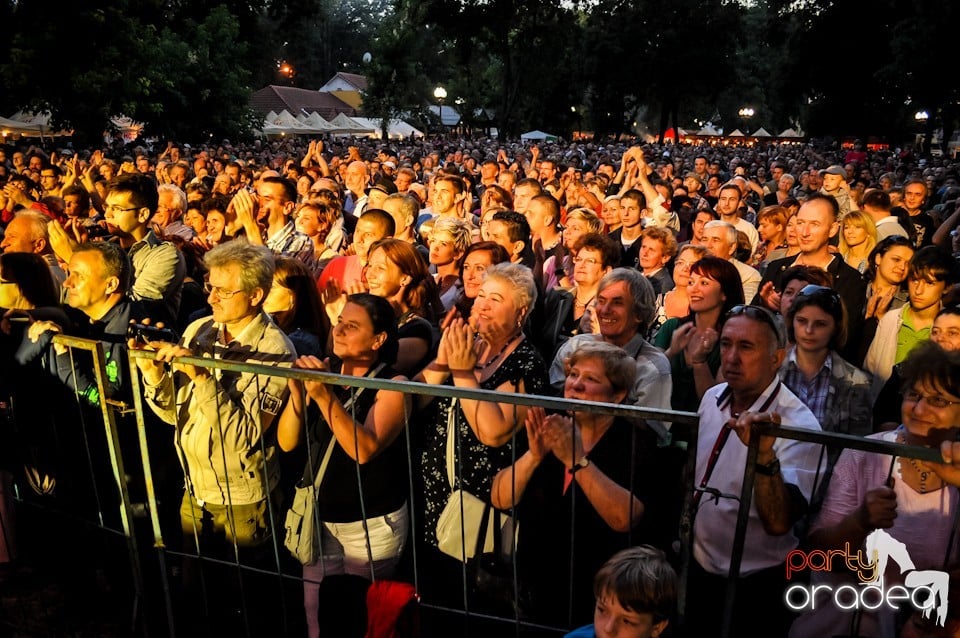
908	337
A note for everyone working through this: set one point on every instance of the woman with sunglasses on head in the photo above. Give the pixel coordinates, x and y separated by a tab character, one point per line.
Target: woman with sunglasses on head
837	392
913	502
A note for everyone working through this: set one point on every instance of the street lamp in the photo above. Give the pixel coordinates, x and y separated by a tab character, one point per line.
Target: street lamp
745	114
921	116
441	94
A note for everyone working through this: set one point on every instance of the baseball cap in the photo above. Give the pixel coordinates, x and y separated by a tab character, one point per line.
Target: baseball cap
384	185
836	169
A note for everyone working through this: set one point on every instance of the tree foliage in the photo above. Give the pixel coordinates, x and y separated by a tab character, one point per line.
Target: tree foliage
187	68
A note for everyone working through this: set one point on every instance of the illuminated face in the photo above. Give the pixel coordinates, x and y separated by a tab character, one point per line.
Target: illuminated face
365	234
215	223
308	221
522	197
925	292
474	268
681	268
229	302
652	254
587	381
831	182
769	230
87	285
892	266
614	310
913	196
444	197
815	226
718	242
443	249
813	328
495	311
946	331
18	238
747	361
704	293
728	202
854	235
384	278
274	204
353	334
630	212
611	213
588	267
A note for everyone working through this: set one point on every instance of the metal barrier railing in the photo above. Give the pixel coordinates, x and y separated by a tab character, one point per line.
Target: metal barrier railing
283	575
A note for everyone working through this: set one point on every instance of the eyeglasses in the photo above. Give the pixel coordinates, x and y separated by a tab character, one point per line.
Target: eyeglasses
934	401
589	261
762	315
220	292
113	208
813	290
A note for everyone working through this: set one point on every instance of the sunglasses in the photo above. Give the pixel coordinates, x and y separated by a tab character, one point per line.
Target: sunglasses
829	294
762	315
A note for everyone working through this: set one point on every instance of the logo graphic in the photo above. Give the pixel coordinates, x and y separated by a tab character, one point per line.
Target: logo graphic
925	589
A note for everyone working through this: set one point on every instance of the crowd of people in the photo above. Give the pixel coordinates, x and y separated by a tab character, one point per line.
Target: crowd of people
813	287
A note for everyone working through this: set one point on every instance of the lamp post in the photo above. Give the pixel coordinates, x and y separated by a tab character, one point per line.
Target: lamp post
921	118
745	114
441	94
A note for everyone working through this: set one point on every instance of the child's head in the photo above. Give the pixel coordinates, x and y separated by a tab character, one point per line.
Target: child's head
636	592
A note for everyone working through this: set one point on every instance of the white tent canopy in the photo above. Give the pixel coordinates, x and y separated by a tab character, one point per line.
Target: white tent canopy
348	126
396	129
316	122
538	135
736	133
449	116
708	130
789	133
761	132
30	125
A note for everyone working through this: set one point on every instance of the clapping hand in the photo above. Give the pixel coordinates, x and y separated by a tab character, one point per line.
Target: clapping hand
458	340
562	437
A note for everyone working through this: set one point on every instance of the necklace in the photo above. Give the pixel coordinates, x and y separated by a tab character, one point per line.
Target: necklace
582	304
496	357
923	474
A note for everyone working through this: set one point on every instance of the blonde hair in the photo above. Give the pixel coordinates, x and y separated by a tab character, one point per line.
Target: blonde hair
862	220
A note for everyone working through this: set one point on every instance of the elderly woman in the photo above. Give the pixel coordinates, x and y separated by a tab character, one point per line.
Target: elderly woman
363	510
490	352
579	222
913	503
591	473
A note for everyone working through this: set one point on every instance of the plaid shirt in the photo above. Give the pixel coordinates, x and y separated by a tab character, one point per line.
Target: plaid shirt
290	242
813	393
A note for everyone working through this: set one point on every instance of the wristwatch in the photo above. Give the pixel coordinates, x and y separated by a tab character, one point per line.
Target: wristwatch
579	465
769	469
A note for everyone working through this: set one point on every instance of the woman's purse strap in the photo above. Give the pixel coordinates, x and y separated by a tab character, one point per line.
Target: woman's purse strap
333	439
451	439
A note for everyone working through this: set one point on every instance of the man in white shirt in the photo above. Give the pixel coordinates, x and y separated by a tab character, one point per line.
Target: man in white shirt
751	350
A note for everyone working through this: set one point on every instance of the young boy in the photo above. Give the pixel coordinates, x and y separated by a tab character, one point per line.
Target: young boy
636	592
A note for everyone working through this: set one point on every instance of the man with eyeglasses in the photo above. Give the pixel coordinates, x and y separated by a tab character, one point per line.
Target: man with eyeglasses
751	352
158	266
51	178
223	420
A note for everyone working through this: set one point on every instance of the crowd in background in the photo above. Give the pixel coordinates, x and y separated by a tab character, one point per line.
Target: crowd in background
598	271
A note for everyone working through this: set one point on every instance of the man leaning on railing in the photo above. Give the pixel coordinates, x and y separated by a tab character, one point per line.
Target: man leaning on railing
224	419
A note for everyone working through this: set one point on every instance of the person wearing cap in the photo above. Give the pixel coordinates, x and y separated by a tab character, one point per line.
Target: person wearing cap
752	344
835	184
379	191
694	185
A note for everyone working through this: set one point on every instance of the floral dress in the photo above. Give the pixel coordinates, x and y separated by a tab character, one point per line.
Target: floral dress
476	464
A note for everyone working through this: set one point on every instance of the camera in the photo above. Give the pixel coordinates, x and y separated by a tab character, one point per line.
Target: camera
143	333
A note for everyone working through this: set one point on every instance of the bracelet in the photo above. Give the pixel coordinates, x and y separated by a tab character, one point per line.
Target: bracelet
694	362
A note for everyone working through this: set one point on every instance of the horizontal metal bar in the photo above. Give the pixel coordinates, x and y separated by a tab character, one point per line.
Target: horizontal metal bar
852	441
413	387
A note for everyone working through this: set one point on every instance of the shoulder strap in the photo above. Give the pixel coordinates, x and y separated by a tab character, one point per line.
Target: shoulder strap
451	441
